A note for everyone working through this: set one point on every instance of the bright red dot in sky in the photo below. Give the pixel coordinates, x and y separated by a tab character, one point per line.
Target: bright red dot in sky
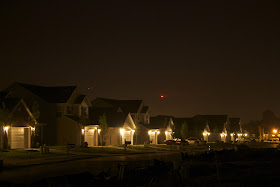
161	96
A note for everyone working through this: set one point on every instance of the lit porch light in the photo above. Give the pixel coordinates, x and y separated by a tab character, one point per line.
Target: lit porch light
231	134
208	133
133	131
165	132
149	132
158	132
246	134
99	130
32	129
204	134
275	131
223	134
6	128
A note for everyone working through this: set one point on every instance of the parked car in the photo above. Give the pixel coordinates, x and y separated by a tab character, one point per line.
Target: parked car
169	142
273	139
182	142
244	140
194	141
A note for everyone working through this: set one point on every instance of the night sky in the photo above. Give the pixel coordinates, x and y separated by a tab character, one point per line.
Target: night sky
206	57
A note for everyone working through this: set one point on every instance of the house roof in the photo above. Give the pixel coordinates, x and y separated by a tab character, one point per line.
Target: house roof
179	121
80	99
144	109
9	103
127	106
3	95
218	119
215	122
234	124
158	121
114	118
59	94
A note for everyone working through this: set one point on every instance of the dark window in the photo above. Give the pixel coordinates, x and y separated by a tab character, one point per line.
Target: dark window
83	111
58	114
69	109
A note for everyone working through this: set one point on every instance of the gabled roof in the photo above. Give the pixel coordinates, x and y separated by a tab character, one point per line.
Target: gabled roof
157	122
3	95
215	122
179	121
127	106
9	103
144	109
234	124
80	99
59	94
218	119
234	120
114	118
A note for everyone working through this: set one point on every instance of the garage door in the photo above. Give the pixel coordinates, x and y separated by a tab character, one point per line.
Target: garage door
91	137
20	137
127	136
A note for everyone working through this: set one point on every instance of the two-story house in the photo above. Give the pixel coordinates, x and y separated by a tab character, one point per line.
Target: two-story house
16	130
63	111
124	116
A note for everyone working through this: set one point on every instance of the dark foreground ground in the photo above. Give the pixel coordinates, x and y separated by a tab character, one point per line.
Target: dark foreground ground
241	166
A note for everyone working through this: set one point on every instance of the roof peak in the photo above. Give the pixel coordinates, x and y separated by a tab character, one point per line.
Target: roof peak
59	94
24	84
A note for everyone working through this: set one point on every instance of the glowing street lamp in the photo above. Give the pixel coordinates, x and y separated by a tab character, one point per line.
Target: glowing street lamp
275	131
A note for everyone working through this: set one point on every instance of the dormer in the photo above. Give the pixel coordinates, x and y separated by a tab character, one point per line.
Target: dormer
81	106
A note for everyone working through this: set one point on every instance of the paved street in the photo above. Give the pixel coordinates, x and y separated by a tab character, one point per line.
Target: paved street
93	165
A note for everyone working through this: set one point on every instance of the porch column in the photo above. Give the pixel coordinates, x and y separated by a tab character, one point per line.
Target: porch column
96	137
156	138
131	137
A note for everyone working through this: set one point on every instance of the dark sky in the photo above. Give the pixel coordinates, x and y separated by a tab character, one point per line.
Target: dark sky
207	57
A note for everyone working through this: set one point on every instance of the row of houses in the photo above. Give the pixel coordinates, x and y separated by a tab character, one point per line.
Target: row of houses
62	115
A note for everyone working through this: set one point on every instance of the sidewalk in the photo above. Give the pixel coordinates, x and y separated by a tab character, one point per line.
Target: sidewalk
13	163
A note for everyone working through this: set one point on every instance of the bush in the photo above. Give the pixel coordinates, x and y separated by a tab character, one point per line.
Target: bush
85	144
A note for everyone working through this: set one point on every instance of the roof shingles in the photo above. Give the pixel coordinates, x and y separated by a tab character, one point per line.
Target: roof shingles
51	94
